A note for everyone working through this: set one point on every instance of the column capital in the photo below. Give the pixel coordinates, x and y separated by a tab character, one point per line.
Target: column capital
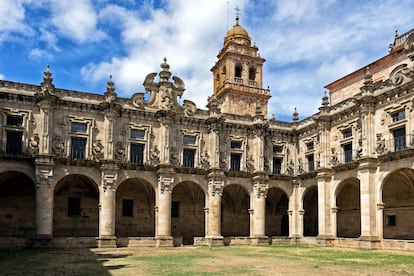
215	186
166	183
44	171
260	189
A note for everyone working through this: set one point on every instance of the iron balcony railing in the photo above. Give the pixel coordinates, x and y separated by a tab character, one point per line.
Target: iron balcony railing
397	144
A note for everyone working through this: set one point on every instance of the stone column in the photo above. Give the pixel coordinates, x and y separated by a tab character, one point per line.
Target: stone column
366	173
260	188
44	201
334	212
380	220
107	206
215	191
295	214
163	210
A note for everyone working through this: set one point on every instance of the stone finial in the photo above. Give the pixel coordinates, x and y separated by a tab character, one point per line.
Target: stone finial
325	100
295	116
165	73
367	77
110	94
47	83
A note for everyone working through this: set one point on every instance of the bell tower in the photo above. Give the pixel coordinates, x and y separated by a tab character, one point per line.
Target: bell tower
237	76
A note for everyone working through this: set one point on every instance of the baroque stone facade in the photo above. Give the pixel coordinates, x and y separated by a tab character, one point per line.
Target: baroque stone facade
82	169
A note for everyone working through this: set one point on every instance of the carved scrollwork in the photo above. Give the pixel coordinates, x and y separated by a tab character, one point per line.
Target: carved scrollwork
97	150
137	100
155	156
189	108
260	189
109	181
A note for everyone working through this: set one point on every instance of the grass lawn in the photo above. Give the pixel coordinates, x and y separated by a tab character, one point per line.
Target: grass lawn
233	260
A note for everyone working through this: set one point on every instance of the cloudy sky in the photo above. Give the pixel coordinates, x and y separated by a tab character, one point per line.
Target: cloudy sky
307	43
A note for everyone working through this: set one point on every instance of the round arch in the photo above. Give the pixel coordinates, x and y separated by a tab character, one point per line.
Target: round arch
17	204
187	211
398	198
75	211
277	218
348	215
235	205
135	214
310	207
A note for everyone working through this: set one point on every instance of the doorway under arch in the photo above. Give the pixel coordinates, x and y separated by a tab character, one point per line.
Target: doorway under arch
75	211
348	216
310	217
135	214
398	199
277	218
235	205
17	204
187	212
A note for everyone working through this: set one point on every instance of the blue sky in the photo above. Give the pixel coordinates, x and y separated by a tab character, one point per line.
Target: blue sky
306	43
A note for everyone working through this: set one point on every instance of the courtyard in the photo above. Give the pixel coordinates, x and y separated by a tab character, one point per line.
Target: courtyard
233	260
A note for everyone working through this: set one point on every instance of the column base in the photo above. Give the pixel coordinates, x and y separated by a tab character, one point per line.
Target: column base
325	240
261	240
214	241
107	242
42	241
369	242
164	241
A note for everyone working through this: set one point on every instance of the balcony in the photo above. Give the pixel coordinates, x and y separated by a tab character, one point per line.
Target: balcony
239	84
398	144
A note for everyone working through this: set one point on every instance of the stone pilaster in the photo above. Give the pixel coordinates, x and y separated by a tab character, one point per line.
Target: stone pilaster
215	191
295	212
325	236
107	206
260	187
369	231
163	208
44	201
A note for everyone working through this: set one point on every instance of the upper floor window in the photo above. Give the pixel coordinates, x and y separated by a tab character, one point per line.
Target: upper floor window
78	148
137	153
277	165
188	158
14	120
347	152
189	140
235	160
399	139
398	116
347	133
235	144
137	134
14	142
309	146
78	127
311	162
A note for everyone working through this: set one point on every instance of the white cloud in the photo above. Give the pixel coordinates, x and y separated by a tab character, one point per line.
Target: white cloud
186	32
2	77
12	19
76	20
40	54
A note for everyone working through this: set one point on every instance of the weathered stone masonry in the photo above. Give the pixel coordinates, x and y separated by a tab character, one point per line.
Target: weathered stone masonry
82	169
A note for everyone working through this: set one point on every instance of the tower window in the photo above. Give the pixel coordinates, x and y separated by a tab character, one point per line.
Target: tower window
238	71
189	140
252	73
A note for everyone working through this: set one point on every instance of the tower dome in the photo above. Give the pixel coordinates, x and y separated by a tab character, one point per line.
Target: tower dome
237	33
